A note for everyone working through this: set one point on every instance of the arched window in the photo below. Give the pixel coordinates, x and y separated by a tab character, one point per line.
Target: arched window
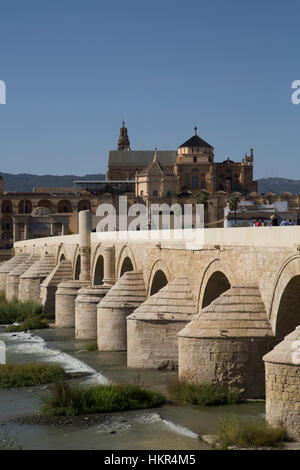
195	182
45	203
24	207
84	206
64	206
6	207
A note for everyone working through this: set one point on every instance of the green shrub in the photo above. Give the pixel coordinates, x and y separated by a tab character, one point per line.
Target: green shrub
234	432
204	394
92	346
15	311
28	375
30	323
70	400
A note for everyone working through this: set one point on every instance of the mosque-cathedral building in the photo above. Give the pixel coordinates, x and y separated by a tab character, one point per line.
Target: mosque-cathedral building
190	168
172	176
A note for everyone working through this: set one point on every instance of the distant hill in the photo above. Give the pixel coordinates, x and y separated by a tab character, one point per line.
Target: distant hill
278	185
25	182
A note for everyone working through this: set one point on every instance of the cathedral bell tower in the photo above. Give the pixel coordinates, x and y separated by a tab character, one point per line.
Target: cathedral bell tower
123	142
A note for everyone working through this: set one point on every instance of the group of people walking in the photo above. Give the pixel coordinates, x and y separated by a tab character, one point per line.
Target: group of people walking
274	222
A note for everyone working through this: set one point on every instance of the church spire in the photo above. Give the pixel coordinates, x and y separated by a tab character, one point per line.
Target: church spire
123	142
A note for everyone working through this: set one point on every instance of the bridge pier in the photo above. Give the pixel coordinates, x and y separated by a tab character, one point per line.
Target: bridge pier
283	385
65	297
67	291
122	299
226	342
30	280
152	328
86	310
61	272
13	277
8	266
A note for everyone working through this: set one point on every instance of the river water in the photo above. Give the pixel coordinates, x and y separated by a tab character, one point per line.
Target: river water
169	427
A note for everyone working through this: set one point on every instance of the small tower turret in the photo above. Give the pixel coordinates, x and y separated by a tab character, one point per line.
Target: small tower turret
123	142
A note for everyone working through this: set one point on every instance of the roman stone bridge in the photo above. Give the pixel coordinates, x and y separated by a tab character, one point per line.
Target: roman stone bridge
267	258
212	306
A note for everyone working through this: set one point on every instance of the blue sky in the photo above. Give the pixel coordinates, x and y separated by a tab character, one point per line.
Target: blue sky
74	69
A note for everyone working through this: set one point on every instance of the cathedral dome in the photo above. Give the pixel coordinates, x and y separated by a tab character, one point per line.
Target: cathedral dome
195	141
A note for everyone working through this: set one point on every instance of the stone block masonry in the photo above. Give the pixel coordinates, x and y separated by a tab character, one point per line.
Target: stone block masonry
86	310
152	328
283	385
123	298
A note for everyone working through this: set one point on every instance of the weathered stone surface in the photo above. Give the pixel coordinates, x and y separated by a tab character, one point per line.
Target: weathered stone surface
267	256
122	299
226	342
65	296
8	266
152	328
13	277
283	385
30	281
61	272
86	310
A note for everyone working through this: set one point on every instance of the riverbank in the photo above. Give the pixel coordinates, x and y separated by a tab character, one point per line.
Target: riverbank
169	427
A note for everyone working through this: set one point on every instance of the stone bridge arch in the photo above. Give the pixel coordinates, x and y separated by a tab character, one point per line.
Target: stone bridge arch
126	261
76	264
216	279
284	313
159	277
98	266
61	254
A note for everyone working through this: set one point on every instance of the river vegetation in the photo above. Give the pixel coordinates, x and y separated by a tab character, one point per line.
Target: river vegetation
92	346
28	315
204	394
29	375
16	311
236	432
72	400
